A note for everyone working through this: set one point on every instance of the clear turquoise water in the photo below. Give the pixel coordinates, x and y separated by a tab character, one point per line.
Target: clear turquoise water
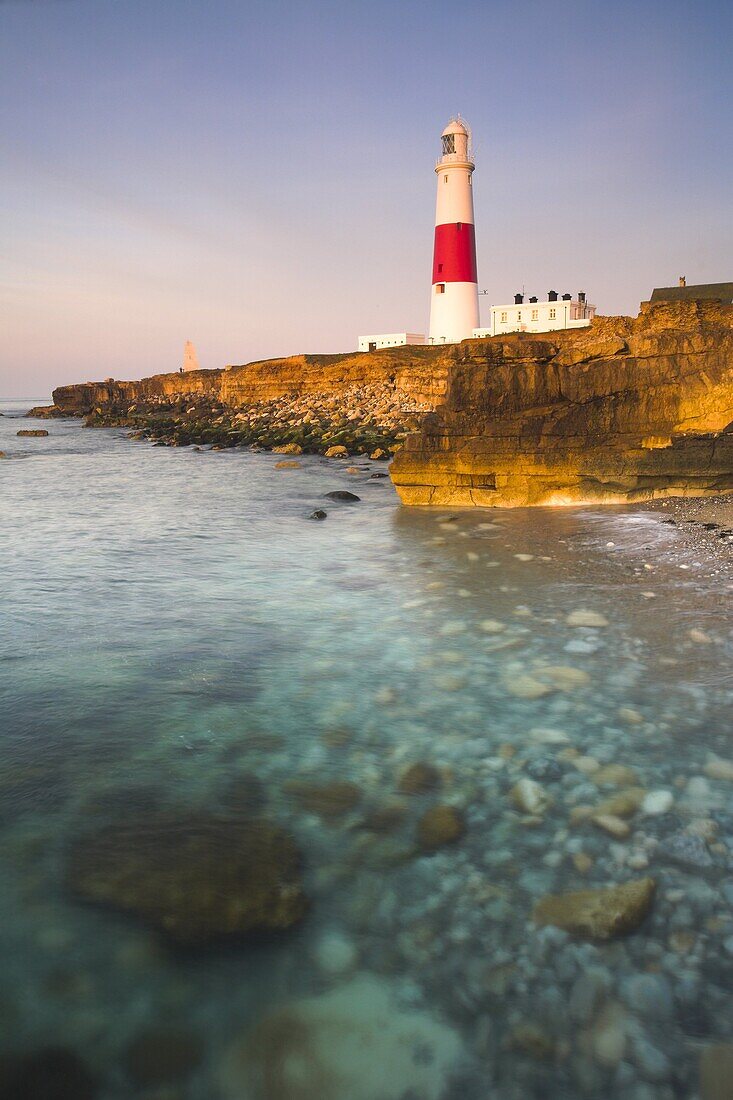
161	607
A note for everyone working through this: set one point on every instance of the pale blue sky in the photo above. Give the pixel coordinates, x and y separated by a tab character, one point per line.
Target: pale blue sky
258	176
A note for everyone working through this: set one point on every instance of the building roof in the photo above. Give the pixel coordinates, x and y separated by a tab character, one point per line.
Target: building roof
719	292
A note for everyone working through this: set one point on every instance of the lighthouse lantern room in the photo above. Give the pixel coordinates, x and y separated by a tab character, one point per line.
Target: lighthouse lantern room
454	310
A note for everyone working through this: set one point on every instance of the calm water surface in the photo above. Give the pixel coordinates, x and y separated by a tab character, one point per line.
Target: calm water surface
177	636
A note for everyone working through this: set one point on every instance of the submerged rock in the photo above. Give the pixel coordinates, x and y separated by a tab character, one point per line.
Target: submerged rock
440	825
328	800
600	914
419	778
318	514
32	433
353	1043
194	877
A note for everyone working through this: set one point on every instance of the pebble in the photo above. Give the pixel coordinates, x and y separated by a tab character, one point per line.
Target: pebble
544	736
544	768
686	851
657	802
609	1035
583	646
335	954
614	826
491	626
582	617
526	687
719	769
648	995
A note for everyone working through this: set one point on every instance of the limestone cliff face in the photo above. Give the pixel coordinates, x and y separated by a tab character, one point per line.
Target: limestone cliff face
629	409
417	373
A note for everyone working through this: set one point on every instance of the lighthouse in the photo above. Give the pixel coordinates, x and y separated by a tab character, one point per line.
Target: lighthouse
454	299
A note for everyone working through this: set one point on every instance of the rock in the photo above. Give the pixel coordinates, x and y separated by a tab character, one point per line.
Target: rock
622	804
162	1055
686	850
716	1072
561	418
419	778
337	452
582	862
343	495
2	454
529	797
657	802
615	826
50	1073
378	453
351	1043
353	470
288	449
615	775
609	1035
328	800
526	687
565	678
544	769
719	769
386	818
587	994
600	914
653	1064
289	464
491	626
34	433
318	514
377	476
335	954
582	617
440	825
649	996
195	877
545	736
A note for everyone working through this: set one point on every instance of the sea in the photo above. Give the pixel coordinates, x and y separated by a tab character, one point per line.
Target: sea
181	642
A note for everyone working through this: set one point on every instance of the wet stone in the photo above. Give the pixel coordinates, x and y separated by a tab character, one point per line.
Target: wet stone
342	495
440	825
686	850
328	800
600	914
194	877
544	769
419	778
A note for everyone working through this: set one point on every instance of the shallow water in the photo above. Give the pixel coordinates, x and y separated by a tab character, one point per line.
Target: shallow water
174	625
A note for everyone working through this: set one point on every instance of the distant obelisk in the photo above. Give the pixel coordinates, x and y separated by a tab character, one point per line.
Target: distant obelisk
190	362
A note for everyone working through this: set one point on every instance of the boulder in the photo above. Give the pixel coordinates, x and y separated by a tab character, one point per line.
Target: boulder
288	449
32	433
343	495
328	800
193	876
318	514
419	778
337	452
600	914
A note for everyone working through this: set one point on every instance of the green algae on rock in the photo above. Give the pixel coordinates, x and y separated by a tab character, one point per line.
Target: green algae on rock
194	877
600	914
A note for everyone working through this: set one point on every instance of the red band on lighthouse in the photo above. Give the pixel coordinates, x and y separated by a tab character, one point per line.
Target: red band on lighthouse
454	254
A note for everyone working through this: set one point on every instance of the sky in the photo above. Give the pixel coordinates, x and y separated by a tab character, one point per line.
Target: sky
257	175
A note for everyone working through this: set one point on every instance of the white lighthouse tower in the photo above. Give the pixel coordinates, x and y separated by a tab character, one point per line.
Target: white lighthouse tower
454	300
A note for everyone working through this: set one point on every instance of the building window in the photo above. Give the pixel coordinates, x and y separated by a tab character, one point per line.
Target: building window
449	143
445	178
440	288
535	314
440	267
553	314
503	318
519	315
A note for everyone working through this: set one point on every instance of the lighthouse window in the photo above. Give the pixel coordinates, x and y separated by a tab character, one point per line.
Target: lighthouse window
449	143
445	178
535	314
440	268
519	315
503	318
440	288
552	314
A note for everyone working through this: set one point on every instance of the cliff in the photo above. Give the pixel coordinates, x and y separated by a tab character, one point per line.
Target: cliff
629	409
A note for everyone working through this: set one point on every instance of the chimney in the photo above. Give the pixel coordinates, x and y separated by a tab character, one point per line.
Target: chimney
567	297
552	296
683	280
581	296
518	299
533	300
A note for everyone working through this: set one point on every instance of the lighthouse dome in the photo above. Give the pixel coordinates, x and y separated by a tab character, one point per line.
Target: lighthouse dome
455	126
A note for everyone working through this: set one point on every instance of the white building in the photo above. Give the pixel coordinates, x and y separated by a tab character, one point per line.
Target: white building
190	359
558	312
390	340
